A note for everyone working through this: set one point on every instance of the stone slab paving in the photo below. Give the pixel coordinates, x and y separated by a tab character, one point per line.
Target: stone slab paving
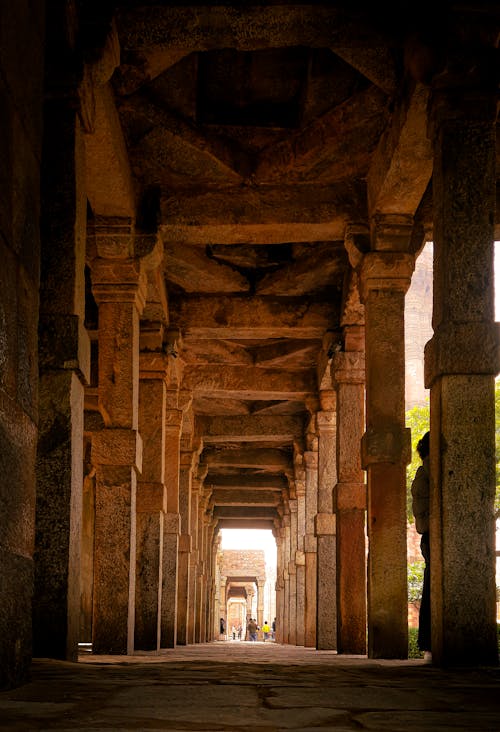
233	687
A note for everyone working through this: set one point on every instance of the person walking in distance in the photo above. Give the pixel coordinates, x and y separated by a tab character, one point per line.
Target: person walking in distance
420	505
252	629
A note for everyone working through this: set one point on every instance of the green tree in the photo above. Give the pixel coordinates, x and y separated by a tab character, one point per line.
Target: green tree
417	419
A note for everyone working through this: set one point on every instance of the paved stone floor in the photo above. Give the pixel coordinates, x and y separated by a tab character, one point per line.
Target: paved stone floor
232	686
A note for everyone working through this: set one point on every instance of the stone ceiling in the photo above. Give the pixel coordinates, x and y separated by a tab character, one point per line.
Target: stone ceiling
254	135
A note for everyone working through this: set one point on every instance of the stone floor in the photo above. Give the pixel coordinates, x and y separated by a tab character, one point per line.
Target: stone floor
232	686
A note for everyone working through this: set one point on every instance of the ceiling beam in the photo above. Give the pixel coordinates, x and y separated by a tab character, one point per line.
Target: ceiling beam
256	383
279	428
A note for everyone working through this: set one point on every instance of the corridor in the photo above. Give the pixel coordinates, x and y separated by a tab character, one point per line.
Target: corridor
251	686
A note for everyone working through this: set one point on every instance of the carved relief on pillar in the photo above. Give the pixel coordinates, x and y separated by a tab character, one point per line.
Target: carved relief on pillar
349	367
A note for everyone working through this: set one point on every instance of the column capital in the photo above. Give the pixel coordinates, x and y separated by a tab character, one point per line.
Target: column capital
387	271
325	524
119	280
173	420
153	365
390	232
326	421
311	459
391	444
348	367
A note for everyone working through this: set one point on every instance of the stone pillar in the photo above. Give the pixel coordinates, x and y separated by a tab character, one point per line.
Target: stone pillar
64	364
310	548
173	427
300	557
151	500
183	578
286	577
260	602
194	599
348	371
385	277
119	288
280	583
325	524
461	361
292	572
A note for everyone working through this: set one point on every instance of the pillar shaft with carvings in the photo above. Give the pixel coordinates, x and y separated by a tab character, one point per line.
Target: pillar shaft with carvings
119	288
310	548
151	500
325	524
300	557
461	362
348	372
385	277
292	572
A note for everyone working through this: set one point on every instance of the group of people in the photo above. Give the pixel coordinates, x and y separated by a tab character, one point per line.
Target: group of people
268	631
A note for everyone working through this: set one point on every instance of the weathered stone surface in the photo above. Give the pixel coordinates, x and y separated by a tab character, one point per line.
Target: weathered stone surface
249	383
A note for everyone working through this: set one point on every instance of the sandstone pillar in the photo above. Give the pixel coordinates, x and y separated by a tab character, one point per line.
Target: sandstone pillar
286	578
194	597
461	361
151	501
280	583
64	364
260	602
173	427
385	277
300	557
292	573
119	289
310	548
185	547
325	524
350	503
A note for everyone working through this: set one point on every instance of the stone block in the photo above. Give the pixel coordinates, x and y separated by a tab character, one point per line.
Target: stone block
390	445
172	523
310	544
300	559
350	495
151	497
115	446
16	589
324	524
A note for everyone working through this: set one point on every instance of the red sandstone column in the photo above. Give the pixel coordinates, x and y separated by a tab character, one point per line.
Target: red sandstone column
310	548
461	361
300	557
286	576
385	277
280	583
348	371
260	602
325	524
119	288
194	599
151	500
173	427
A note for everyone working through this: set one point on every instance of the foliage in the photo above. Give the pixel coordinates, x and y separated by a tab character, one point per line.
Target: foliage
415	580
418	420
413	649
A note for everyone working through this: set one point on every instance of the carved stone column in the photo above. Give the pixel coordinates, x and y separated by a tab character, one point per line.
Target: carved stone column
385	277
173	428
280	584
286	576
187	464
300	557
292	573
151	500
310	548
325	524
260	601
461	361
348	371
63	369
119	289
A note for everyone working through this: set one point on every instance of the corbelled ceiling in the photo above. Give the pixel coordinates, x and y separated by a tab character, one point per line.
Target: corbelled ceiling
255	134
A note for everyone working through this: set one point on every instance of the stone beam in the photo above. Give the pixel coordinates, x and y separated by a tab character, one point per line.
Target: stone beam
248	523
260	458
401	166
251	318
244	481
335	146
255	428
109	182
245	512
191	269
375	62
322	265
274	215
205	28
279	354
223	497
249	383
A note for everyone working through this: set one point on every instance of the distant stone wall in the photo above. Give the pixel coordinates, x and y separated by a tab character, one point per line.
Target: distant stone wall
243	563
